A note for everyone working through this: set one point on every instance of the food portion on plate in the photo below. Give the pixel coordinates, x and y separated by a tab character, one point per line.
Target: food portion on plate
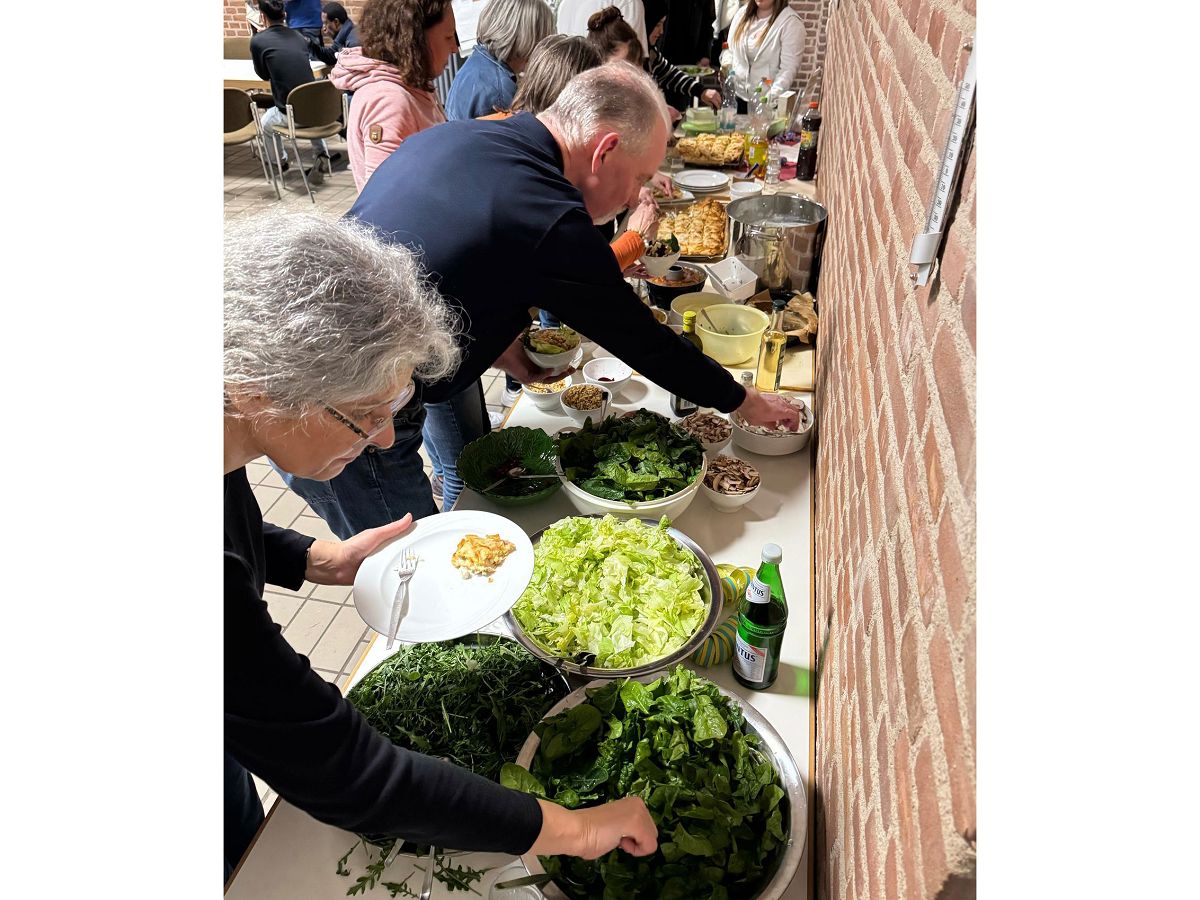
481	555
713	149
661	196
699	228
634	458
730	475
550	340
622	590
711	785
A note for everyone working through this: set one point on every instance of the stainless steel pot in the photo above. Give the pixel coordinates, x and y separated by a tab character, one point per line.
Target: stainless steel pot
779	237
787	861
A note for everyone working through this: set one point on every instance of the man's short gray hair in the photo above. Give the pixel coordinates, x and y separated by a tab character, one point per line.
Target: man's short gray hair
320	311
613	97
510	29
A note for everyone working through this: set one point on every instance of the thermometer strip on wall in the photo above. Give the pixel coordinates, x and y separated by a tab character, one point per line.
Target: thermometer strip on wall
925	246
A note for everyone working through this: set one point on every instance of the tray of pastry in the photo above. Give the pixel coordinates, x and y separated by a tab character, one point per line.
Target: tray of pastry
713	149
702	230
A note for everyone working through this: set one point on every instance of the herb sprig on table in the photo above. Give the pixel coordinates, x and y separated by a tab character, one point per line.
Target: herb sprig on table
680	745
636	458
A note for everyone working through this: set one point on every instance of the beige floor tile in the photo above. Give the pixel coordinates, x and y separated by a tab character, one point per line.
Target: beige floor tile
331	677
421	451
266	496
273	479
309	624
492	394
314	526
282	607
305	589
334	593
283	512
359	652
343	682
342	636
256	471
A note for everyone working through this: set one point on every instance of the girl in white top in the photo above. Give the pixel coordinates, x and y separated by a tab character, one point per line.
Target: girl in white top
573	17
767	40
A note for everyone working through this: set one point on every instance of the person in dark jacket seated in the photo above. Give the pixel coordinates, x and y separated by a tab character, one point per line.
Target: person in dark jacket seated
341	31
280	56
325	327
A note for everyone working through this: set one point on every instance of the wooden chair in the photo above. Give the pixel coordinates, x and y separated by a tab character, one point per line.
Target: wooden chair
242	127
237	48
313	112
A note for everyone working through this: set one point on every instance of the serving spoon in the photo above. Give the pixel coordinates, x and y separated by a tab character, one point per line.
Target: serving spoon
516	472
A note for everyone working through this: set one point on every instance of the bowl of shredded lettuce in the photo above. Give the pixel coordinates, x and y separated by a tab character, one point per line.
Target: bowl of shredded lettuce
613	597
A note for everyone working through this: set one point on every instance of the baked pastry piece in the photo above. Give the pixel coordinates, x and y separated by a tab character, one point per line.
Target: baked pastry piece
713	149
700	228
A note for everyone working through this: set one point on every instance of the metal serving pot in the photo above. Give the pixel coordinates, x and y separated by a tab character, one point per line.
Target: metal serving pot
710	592
787	861
779	237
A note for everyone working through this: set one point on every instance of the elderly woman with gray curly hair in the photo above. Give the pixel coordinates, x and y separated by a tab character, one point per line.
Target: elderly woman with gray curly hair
324	328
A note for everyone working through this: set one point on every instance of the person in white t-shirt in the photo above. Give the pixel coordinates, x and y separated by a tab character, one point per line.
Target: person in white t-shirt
767	40
573	17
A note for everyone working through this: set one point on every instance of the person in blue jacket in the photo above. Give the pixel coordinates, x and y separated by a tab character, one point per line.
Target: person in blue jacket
507	33
341	31
304	16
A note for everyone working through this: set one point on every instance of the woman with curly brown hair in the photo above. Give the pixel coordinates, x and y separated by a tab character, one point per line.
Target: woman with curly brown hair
405	45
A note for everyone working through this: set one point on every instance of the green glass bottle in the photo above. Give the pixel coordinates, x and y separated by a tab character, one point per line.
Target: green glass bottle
762	617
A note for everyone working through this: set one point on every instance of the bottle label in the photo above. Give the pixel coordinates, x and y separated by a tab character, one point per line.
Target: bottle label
750	661
757	592
808	140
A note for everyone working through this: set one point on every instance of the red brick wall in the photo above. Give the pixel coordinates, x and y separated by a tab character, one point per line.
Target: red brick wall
895	528
235	15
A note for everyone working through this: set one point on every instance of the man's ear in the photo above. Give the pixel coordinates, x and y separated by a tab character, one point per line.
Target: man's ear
604	146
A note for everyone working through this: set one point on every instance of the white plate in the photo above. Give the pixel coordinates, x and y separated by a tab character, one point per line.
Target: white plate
442	604
701	181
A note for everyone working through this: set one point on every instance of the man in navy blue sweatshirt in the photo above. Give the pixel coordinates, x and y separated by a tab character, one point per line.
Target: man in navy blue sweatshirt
504	214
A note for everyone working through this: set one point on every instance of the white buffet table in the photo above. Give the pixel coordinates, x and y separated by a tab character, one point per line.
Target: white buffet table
294	856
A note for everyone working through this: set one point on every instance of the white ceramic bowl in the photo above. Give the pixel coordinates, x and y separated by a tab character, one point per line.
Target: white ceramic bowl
658	266
555	362
617	373
672	507
740	189
730	502
579	416
548	402
780	444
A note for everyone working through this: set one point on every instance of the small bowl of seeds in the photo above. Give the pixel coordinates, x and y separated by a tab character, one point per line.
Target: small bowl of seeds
730	483
545	395
586	401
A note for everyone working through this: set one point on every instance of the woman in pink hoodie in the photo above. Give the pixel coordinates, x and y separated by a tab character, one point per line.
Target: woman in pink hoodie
405	45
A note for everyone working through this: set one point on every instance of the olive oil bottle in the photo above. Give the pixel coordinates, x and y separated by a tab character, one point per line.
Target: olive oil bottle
762	618
680	405
770	351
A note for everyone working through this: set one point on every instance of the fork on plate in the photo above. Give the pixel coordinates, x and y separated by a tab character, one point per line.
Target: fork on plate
405	569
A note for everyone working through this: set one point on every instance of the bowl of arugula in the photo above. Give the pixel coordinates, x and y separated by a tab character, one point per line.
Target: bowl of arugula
637	464
700	759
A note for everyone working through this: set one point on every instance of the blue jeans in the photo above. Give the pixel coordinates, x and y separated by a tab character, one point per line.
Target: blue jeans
449	426
276	116
243	813
547	319
378	487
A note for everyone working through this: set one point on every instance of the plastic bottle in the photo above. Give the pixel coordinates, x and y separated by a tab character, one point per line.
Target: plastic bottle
810	127
762	618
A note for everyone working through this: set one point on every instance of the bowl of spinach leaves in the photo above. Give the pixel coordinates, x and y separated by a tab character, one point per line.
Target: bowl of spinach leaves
719	782
635	464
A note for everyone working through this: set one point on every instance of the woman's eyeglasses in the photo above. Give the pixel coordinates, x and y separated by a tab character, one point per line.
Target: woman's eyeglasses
377	423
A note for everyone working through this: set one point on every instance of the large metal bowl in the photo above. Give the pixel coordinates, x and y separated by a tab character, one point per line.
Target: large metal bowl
711	592
787	860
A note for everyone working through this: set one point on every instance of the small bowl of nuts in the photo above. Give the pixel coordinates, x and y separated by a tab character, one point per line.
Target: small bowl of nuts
545	396
713	431
730	483
585	401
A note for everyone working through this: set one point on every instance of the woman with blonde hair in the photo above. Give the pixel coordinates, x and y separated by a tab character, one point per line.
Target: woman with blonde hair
405	45
767	41
507	34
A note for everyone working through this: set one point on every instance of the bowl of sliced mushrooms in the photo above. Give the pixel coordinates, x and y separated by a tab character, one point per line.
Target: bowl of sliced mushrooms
730	483
712	431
